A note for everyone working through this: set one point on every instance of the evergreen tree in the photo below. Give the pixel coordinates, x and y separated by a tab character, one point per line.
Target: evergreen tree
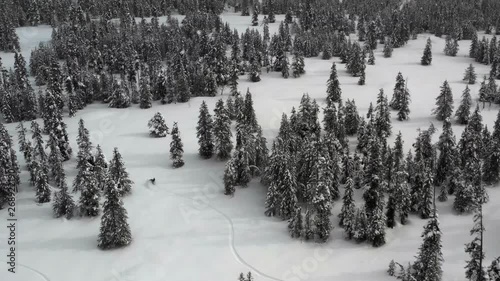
444	103
296	224
430	258
362	77
119	175
470	75
383	116
360	226
401	194
371	58
205	132
451	46
176	147
119	98
145	96
347	215
333	87
157	126
463	111
222	131
446	162
427	57
100	168
63	205
475	269
230	177
115	231
388	48
89	199
55	161
351	118
39	150
255	17
298	64
43	191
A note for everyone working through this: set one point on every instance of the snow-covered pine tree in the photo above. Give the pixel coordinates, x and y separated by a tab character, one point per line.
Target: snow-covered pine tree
401	194
463	111
351	118
63	205
204	132
115	231
55	161
296	224
89	199
43	191
119	174
427	57
383	116
362	76
430	257
222	131
145	92
446	162
475	268
444	103
451	46
347	214
230	177
371	58
333	87
399	90
298	65
100	168
360	226
470	75
255	17
39	148
176	147
119	97
388	48
157	126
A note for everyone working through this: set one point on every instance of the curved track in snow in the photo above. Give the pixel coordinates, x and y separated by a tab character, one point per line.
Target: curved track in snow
232	245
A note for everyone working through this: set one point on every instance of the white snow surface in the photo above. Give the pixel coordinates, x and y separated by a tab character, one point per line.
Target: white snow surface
184	228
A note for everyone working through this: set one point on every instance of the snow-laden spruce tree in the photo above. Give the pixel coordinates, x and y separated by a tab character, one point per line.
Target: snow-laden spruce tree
427	57
157	126
89	199
298	65
451	46
399	92
119	174
428	265
333	87
119	97
63	205
230	177
351	118
204	132
55	161
100	168
347	215
145	96
447	159
475	266
39	148
43	191
463	112
382	116
444	103
388	48
470	75
176	147
371	58
296	223
115	231
222	131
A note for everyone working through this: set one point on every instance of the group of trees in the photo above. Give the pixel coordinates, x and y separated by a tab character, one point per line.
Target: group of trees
95	177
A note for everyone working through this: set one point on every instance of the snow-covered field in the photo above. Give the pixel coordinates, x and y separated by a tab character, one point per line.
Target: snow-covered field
184	228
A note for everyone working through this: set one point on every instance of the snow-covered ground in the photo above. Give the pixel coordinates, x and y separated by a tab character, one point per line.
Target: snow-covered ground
184	228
